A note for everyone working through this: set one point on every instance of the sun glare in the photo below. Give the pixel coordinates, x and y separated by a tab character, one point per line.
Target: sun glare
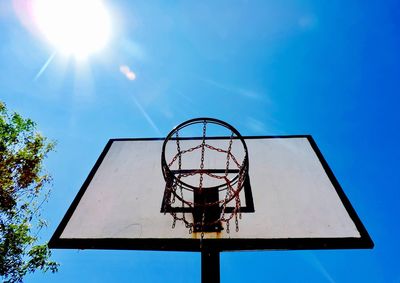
74	27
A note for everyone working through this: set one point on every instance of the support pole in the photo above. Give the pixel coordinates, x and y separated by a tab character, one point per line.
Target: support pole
210	269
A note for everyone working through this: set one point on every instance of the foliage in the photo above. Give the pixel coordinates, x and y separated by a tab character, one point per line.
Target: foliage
23	190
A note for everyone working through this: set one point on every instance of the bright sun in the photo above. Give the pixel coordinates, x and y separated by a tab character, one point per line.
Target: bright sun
74	27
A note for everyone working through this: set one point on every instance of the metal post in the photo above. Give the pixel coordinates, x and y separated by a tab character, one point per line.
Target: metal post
210	272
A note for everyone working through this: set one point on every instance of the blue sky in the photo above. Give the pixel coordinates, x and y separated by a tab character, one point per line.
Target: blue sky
267	67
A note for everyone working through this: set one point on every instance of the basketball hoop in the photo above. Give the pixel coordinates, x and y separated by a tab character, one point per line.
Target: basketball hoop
205	189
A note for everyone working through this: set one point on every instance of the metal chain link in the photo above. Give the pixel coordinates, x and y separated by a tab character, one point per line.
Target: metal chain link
201	176
228	154
202	224
178	148
174	221
224	151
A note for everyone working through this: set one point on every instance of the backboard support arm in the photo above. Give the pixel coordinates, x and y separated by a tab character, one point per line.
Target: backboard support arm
210	266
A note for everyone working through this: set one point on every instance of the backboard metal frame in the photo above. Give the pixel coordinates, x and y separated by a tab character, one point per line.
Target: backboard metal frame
193	244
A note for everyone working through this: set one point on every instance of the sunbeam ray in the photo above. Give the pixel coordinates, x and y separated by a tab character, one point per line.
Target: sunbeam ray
44	67
147	117
315	262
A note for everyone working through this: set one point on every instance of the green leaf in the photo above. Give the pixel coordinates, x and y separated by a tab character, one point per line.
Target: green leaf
24	187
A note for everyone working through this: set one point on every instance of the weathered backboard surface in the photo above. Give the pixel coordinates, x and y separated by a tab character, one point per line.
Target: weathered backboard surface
295	202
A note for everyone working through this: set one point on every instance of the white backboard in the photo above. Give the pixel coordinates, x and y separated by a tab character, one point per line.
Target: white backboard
298	203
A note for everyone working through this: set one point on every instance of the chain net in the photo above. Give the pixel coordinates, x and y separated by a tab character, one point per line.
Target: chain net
177	188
